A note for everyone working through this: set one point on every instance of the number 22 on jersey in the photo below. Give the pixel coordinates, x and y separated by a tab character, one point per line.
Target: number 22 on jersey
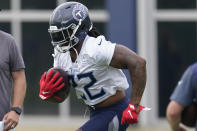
92	80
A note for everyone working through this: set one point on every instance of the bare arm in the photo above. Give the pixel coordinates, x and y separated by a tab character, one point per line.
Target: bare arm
19	88
173	115
11	118
124	58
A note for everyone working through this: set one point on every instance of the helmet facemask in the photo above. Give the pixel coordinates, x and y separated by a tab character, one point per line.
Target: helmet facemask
64	39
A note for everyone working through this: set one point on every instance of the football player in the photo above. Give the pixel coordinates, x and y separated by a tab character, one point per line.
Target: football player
94	65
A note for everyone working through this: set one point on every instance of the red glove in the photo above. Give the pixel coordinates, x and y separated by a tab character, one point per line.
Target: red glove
130	114
48	86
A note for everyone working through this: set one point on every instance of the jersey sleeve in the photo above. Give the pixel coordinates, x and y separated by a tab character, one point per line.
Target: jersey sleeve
16	60
104	51
183	93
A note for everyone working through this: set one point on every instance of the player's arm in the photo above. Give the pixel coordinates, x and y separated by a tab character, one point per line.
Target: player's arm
11	118
173	114
19	88
124	58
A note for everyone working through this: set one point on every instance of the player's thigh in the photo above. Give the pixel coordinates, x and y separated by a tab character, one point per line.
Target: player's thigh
99	124
106	121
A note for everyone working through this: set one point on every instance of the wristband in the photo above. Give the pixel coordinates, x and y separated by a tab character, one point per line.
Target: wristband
18	110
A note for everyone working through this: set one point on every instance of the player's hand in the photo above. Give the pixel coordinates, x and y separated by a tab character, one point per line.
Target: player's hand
130	114
10	120
49	85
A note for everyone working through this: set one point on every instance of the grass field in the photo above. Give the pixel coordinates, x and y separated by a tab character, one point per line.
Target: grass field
62	128
71	124
43	128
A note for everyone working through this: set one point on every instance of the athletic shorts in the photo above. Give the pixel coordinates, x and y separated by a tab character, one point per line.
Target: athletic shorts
107	118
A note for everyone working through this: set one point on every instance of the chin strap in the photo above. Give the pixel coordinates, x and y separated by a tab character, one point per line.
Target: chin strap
58	50
76	61
55	54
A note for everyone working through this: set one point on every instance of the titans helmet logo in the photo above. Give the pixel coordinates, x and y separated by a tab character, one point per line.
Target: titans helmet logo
79	12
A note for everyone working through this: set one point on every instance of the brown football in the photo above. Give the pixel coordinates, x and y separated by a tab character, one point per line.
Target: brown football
189	115
62	94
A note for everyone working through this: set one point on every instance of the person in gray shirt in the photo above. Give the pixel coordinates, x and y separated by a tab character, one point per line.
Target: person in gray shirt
12	81
184	94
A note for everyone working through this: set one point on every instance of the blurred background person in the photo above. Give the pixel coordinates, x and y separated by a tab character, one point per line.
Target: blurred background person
184	95
12	81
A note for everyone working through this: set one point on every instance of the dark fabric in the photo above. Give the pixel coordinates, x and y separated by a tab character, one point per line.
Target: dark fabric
101	118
